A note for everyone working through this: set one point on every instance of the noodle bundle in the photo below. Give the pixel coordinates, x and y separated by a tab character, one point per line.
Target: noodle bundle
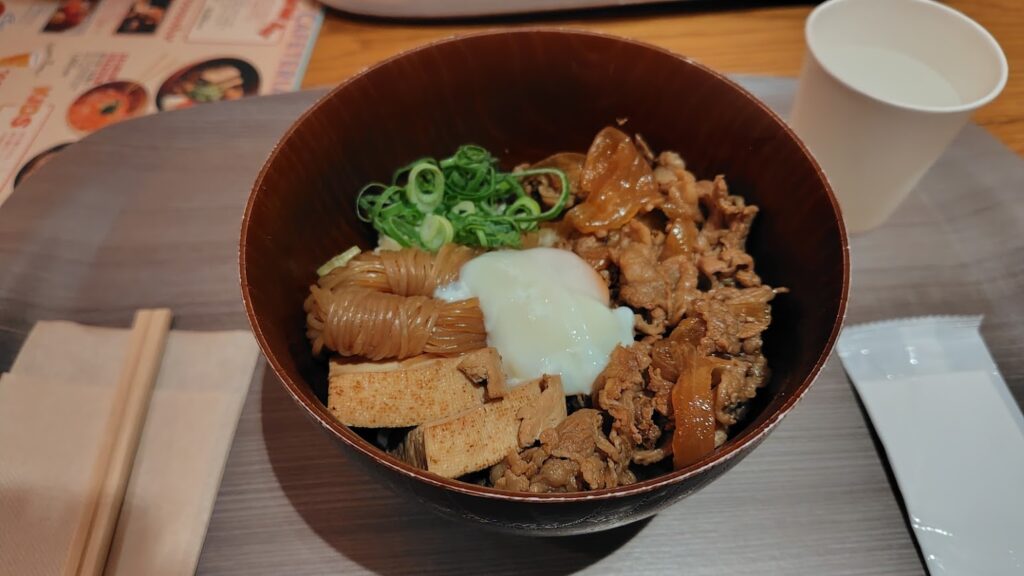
406	272
376	325
381	305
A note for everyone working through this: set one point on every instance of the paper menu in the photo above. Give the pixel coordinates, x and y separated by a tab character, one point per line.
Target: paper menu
71	67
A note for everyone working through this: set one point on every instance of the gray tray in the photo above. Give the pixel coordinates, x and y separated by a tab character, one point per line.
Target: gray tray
147	212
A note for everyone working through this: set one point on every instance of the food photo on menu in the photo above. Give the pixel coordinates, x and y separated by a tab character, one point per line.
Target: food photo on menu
208	81
69	15
511	287
144	17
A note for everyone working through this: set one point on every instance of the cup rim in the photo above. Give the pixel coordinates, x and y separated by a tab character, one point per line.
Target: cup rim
1004	68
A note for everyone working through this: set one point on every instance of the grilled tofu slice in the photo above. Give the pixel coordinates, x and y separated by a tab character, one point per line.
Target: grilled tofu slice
484	435
411	392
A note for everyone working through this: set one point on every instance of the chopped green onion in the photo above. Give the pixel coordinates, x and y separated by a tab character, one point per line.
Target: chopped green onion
338	261
464	208
562	198
387	243
435	231
524	206
463	199
426	187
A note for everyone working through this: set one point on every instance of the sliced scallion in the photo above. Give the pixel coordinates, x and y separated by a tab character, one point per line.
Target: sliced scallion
464	198
338	261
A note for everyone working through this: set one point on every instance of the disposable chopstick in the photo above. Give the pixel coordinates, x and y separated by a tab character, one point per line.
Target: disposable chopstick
90	544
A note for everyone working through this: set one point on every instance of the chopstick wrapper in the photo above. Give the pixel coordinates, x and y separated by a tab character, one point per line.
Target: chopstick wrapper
53	407
953	435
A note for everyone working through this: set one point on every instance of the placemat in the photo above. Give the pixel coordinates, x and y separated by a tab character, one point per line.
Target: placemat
146	213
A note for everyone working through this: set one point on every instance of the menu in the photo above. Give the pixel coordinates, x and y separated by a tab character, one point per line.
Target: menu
71	67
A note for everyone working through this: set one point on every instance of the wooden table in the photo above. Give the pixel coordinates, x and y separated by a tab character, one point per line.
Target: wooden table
742	39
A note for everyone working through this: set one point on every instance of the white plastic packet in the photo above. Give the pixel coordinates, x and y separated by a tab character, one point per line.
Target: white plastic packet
953	434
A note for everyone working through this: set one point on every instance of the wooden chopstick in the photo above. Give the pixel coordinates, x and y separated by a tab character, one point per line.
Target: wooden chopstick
87	555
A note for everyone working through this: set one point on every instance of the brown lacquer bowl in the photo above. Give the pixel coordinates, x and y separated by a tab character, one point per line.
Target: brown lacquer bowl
526	94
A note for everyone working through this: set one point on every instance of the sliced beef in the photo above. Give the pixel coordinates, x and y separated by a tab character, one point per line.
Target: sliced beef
575	455
723	238
593	250
659	289
672	248
737	382
622	392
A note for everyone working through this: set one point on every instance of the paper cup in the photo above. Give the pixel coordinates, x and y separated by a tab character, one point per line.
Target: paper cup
885	87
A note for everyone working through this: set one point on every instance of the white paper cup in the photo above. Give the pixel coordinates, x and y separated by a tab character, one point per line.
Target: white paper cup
885	86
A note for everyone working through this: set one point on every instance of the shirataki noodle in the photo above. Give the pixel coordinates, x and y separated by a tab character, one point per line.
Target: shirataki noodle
403	272
380	305
377	325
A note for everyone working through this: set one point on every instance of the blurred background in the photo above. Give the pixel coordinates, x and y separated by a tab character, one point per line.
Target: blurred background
732	36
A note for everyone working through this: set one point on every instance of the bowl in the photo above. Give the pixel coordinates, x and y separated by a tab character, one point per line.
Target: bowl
525	94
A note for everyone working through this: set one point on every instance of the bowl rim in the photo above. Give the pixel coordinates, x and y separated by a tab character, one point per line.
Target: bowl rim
732	449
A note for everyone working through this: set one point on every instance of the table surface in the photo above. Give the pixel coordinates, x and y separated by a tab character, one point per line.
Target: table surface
146	213
743	38
93	237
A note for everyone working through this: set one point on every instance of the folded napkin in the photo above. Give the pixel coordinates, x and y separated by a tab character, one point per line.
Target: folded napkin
53	408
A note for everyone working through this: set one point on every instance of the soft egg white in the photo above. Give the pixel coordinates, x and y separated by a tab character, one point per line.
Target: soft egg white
546	312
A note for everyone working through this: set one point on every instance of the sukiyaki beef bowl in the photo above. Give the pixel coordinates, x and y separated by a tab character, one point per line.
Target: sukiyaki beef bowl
549	282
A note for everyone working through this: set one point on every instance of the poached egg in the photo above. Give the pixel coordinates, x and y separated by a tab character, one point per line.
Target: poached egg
546	311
